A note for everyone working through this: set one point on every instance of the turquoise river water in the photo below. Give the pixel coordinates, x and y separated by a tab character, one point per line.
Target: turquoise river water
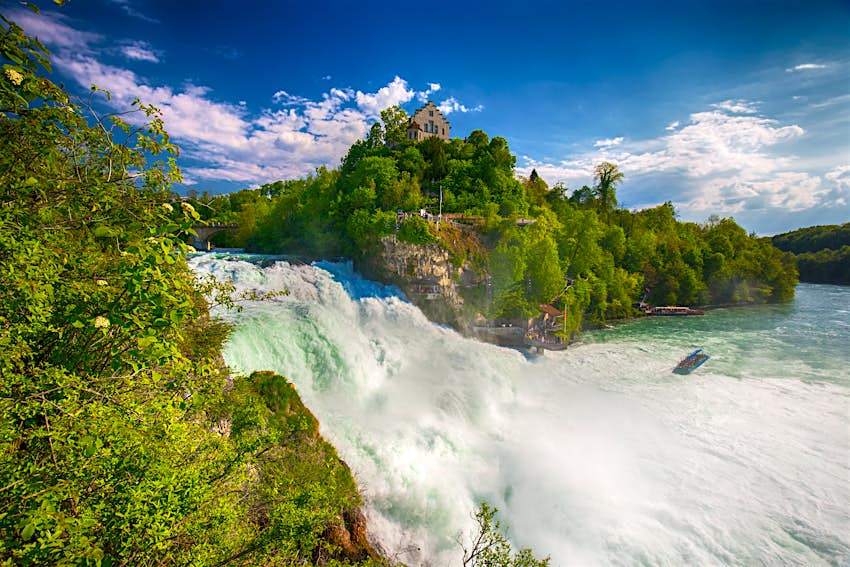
597	455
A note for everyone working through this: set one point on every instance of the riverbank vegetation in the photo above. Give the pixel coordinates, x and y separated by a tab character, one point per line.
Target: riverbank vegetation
536	244
822	252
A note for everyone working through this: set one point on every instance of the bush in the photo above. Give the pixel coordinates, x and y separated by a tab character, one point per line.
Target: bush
415	230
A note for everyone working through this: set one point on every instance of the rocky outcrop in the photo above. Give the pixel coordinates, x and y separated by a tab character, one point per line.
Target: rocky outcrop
348	533
428	274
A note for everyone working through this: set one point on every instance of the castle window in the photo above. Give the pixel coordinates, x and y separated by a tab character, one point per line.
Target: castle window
431	127
444	131
430	113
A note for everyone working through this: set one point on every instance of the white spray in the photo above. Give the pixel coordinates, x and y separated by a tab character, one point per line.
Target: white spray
597	455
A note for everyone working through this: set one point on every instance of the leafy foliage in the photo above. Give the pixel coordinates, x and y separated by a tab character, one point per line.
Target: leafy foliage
415	231
488	547
822	252
814	238
825	266
114	440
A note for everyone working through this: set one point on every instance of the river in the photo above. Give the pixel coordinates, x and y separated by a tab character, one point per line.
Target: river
597	455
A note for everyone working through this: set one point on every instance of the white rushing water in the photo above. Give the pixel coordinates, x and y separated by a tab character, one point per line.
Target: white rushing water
597	455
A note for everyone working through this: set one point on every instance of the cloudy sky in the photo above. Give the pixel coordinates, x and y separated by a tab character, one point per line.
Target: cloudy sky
737	108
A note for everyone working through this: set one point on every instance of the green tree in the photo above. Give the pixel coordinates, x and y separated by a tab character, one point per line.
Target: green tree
415	230
583	197
488	547
411	160
536	188
433	149
606	176
394	119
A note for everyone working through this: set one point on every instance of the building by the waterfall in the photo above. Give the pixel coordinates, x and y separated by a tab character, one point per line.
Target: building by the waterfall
426	122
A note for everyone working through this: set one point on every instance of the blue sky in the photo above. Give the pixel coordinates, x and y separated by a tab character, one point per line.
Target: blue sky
732	108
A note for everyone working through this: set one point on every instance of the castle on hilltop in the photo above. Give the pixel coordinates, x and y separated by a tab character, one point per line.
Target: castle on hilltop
426	122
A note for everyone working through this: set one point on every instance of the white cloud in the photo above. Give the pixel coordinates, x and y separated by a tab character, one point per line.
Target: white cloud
127	7
224	141
188	113
724	160
792	191
736	106
805	67
832	101
840	174
327	78
51	28
451	104
573	172
286	99
432	88
608	142
221	140
672	126
342	94
227	142
397	92
839	181
138	51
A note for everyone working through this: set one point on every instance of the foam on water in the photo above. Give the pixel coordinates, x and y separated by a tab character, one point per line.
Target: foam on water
596	455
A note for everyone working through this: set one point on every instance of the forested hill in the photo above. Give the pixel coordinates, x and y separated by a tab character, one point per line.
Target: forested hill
532	243
823	252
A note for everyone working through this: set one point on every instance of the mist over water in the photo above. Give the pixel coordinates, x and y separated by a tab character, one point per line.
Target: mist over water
595	455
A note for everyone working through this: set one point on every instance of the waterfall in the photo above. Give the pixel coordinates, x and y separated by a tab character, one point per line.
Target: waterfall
594	455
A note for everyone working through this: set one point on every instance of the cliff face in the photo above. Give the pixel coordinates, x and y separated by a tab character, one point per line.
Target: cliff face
429	275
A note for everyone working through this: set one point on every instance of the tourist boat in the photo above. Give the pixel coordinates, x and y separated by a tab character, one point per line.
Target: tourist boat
691	362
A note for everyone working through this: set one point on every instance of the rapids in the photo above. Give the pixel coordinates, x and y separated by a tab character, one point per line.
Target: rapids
596	455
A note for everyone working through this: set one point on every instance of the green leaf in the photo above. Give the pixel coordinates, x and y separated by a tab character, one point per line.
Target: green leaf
103	232
27	532
88	444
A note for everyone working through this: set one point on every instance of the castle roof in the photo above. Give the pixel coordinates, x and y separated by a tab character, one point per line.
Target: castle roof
437	108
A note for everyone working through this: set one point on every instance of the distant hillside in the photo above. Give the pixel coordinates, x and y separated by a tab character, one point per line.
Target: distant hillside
814	238
822	252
